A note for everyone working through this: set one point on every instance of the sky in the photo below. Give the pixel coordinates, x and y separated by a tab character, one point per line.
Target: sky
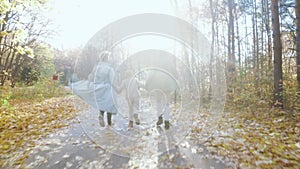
76	21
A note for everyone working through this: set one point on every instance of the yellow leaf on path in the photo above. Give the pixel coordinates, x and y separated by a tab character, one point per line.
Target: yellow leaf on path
3	33
5	147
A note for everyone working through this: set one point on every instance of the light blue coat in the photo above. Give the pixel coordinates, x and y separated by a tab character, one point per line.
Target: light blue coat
97	91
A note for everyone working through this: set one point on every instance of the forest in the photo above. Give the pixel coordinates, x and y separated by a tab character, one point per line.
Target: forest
258	42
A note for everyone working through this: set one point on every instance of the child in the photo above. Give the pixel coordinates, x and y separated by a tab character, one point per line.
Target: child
131	86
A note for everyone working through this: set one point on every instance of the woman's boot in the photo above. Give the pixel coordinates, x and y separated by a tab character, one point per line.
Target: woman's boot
109	118
101	121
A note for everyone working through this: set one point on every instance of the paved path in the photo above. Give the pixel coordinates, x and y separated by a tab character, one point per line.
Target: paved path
84	144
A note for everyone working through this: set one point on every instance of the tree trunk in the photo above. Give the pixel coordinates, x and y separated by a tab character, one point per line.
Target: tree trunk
246	46
277	48
238	39
211	47
255	46
267	24
231	45
262	36
297	9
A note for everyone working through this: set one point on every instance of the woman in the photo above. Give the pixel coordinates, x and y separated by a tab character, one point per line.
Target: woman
97	90
103	78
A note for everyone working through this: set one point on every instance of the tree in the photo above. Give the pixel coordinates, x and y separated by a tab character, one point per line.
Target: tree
297	9
65	62
277	48
212	47
231	38
40	67
20	26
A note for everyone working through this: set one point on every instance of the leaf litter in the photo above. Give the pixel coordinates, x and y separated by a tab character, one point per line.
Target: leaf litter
24	123
248	140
